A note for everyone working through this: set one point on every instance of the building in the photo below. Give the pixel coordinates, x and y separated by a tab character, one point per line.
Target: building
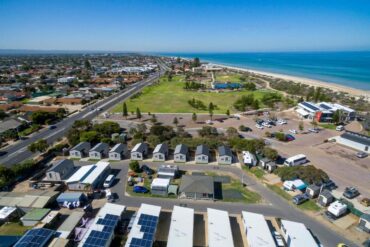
325	198
313	191
323	112
181	153
249	159
80	150
101	232
140	151
144	227
354	140
9	125
257	230
225	156
60	170
8	213
34	216
181	228
160	152
118	152
37	237
159	186
297	235
74	198
88	177
66	80
219	228
168	171
69	224
364	223
202	154
197	187
30	199
99	151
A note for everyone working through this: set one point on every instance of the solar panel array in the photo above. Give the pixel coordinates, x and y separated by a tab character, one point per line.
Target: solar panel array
312	107
35	238
100	238
148	225
326	107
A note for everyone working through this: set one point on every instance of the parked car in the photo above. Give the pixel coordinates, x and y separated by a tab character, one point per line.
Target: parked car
361	155
365	202
293	131
299	199
330	185
289	138
140	189
266	124
109	181
281	122
51	127
350	192
339	128
147	170
313	130
278	239
259	126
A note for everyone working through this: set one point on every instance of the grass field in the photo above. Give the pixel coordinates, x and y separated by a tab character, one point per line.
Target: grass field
232	77
170	97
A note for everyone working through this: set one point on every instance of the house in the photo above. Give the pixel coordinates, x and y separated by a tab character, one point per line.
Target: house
9	214
168	171
197	187
219	228
181	228
80	150
139	151
99	151
355	141
60	170
364	223
72	198
325	198
34	216
181	153
249	159
257	230
159	186
30	199
202	154
225	156
297	235
118	152
9	125
36	237
160	152
141	234
313	191
263	162
88	177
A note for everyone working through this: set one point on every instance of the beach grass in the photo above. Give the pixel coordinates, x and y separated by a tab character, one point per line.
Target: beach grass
170	97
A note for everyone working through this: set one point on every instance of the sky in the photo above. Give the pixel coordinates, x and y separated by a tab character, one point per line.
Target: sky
185	26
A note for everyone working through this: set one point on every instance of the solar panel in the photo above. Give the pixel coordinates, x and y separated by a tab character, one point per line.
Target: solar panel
148	225
35	238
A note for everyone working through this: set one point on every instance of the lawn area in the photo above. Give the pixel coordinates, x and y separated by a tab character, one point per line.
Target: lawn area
232	77
170	97
329	126
236	192
13	228
259	173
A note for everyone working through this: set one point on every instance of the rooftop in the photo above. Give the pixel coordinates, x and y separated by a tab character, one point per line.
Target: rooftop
257	231
219	229
298	234
182	226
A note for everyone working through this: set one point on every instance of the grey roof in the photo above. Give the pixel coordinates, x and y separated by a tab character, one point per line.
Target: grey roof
161	148
365	217
9	124
197	184
224	150
356	137
326	193
140	147
313	187
118	148
71	222
202	149
70	196
100	147
181	149
81	146
60	164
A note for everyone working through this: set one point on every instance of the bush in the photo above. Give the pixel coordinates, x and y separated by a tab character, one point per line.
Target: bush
309	174
134	166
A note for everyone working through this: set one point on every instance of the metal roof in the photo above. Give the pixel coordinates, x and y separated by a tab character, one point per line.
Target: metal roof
197	184
219	229
181	149
81	146
9	124
140	147
99	147
161	148
69	224
182	226
202	149
356	137
61	164
224	150
37	237
118	148
257	231
298	234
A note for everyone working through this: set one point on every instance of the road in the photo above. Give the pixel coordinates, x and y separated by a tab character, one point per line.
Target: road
18	152
275	205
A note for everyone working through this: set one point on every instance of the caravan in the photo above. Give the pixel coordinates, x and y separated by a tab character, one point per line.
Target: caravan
249	159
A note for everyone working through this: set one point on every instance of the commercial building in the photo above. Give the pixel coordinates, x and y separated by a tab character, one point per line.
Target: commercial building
60	170
182	227
80	150
159	186
144	227
354	140
181	153
323	112
197	187
297	235
219	228
99	151
88	177
257	231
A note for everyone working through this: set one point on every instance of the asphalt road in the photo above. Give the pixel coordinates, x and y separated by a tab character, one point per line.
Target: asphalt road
18	152
275	205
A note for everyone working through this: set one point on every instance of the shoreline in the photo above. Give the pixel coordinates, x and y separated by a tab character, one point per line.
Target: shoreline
303	80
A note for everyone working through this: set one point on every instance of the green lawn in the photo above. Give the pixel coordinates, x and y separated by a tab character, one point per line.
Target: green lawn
170	97
328	126
259	173
232	77
247	196
13	228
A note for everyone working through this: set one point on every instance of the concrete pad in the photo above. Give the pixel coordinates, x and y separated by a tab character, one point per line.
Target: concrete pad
345	222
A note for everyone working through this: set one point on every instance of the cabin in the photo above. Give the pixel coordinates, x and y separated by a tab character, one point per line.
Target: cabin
81	150
225	156
160	152
99	151
313	191
168	171
160	186
325	198
197	187
140	151
364	223
60	170
118	152
202	154
181	153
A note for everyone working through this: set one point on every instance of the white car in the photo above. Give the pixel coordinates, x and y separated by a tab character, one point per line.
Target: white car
258	126
339	128
266	124
293	131
281	122
279	239
209	122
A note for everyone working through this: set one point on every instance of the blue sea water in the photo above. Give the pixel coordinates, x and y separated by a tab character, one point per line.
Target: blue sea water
351	69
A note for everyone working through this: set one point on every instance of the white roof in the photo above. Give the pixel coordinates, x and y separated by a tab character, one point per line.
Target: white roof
248	158
295	157
337	208
88	174
161	182
6	211
80	173
101	166
301	112
219	229
257	230
298	234
181	229
136	228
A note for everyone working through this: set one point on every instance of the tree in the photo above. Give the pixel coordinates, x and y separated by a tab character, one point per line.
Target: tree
87	64
231	132
210	109
270	153
301	126
153	140
138	113
134	166
124	110
38	146
142	128
336	117
228	112
208	131
2	115
175	121
90	136
194	117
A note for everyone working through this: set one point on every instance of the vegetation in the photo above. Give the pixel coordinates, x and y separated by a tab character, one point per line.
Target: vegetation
14	229
246	101
38	146
134	166
8	175
309	174
40	117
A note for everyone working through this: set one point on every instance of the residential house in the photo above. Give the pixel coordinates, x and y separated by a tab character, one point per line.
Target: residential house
364	223
118	152
9	125
181	153
80	150
60	170
99	151
160	152
202	154
225	156
139	151
197	187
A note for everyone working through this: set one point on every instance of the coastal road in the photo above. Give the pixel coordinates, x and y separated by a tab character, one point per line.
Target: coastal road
18	152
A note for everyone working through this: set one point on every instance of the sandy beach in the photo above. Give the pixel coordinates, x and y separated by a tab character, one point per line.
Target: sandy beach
307	81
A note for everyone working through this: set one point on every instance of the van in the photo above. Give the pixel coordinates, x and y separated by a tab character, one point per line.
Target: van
109	181
339	128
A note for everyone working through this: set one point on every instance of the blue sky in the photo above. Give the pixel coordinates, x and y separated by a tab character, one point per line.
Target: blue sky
185	26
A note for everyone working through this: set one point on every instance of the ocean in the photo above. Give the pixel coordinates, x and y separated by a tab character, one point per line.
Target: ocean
351	69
